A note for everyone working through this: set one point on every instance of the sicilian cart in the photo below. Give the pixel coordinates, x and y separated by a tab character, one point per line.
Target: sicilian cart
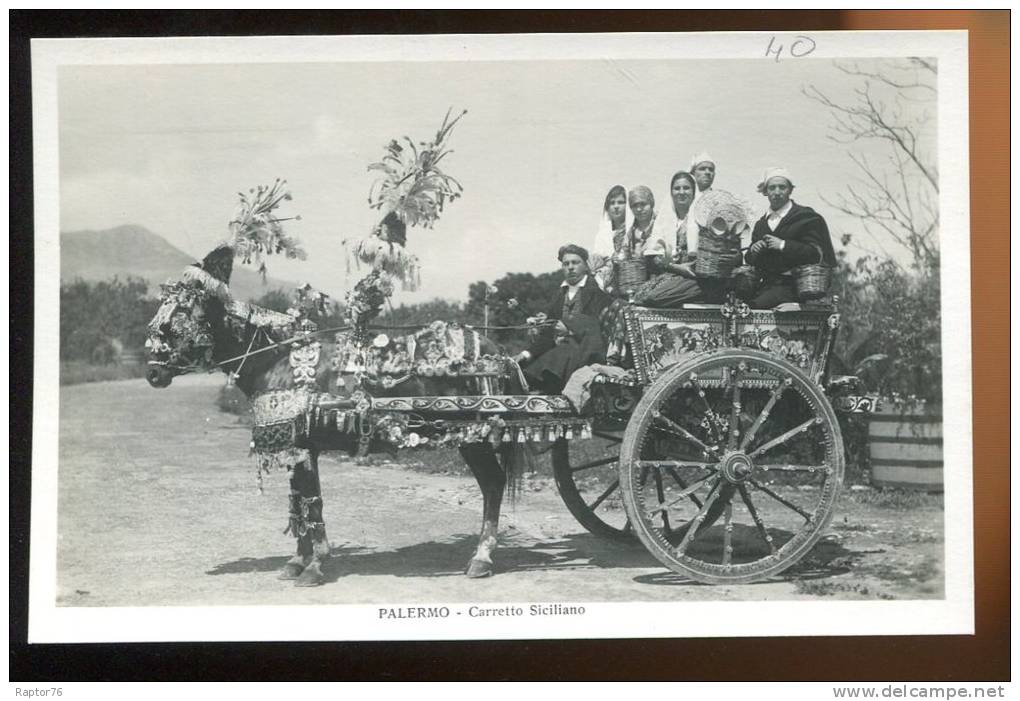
713	441
719	449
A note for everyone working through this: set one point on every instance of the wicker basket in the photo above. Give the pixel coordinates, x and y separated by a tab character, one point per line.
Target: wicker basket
717	256
812	280
746	281
630	273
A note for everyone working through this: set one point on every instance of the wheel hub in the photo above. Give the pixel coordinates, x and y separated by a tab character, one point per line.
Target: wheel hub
737	467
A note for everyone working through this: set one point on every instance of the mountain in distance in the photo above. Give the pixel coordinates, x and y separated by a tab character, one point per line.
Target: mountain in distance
134	251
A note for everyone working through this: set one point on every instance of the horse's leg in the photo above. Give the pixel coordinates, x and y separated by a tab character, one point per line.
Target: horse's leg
307	523
481	458
296	565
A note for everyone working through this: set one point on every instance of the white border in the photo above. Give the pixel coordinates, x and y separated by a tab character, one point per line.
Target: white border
955	614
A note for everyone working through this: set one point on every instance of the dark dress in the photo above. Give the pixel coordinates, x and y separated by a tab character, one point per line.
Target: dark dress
553	363
667	289
807	240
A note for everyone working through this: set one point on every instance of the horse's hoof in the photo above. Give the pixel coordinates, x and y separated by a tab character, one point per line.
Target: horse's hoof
292	570
311	576
479	569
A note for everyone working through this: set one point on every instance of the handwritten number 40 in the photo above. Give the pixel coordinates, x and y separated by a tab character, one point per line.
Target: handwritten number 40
801	47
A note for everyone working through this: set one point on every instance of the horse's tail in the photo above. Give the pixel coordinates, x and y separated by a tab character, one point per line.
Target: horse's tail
512	458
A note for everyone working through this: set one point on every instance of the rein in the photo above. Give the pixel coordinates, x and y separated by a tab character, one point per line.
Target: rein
306	334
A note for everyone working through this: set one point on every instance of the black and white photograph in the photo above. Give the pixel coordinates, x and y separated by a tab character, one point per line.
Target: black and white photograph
454	337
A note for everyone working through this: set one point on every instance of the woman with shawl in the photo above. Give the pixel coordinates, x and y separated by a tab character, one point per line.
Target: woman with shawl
677	282
609	241
643	241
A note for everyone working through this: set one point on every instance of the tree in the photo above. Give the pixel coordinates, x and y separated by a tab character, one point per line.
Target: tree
97	316
892	321
424	313
896	195
516	297
277	300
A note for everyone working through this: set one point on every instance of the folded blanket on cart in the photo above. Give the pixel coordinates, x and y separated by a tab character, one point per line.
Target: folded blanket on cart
579	386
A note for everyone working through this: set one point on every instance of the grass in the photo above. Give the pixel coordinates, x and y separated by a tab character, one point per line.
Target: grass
76	372
843	589
432	461
892	498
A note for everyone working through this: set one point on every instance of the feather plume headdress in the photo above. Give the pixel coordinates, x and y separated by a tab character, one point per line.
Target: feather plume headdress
411	190
256	232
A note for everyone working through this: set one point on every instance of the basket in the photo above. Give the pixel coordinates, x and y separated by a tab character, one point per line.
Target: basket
745	281
812	280
630	273
718	256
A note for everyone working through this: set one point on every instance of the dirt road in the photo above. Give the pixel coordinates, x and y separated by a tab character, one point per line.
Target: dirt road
158	506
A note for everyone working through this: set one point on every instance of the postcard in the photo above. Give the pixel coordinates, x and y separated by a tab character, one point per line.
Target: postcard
501	337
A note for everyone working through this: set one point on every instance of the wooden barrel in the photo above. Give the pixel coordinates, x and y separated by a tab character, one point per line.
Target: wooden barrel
906	449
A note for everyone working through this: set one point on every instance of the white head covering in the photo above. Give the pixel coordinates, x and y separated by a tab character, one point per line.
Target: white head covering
603	245
602	249
774	172
702	157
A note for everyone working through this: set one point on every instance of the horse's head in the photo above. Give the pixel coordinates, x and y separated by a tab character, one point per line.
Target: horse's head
182	334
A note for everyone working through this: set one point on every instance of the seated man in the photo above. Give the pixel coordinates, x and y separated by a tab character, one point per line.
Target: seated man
787	236
575	339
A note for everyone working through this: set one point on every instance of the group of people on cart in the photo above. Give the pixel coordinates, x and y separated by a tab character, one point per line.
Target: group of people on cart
691	251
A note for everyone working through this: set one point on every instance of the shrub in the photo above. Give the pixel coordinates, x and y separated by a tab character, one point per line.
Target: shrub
892	328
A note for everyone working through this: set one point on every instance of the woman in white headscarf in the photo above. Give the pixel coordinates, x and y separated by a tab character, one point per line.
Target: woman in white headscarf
677	282
609	241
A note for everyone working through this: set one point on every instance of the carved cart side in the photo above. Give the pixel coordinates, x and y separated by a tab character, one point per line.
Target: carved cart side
725	444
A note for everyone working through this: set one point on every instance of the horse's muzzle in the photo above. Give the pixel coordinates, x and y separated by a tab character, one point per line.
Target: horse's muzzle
159	376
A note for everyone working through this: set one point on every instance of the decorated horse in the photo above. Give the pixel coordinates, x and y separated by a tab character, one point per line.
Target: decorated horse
311	388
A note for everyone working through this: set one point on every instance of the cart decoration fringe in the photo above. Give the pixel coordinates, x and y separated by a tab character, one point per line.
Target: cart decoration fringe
284	420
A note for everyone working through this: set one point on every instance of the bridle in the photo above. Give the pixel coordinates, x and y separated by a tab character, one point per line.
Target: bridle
249	353
304	336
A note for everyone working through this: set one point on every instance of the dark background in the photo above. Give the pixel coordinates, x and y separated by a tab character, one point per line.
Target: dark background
984	656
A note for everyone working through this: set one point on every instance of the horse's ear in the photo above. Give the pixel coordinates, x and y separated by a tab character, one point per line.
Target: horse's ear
219	263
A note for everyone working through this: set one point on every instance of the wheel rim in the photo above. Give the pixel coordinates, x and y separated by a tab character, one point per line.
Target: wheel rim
731	466
588	481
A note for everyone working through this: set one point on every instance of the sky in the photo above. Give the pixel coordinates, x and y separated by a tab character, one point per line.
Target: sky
169	146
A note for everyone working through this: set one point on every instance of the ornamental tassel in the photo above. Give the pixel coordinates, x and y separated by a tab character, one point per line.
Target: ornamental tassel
506	436
569	433
521	438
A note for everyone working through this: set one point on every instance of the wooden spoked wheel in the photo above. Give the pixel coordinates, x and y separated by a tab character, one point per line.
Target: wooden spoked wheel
589	483
731	466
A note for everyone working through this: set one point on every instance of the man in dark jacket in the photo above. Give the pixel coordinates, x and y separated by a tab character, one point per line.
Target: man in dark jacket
574	339
787	236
